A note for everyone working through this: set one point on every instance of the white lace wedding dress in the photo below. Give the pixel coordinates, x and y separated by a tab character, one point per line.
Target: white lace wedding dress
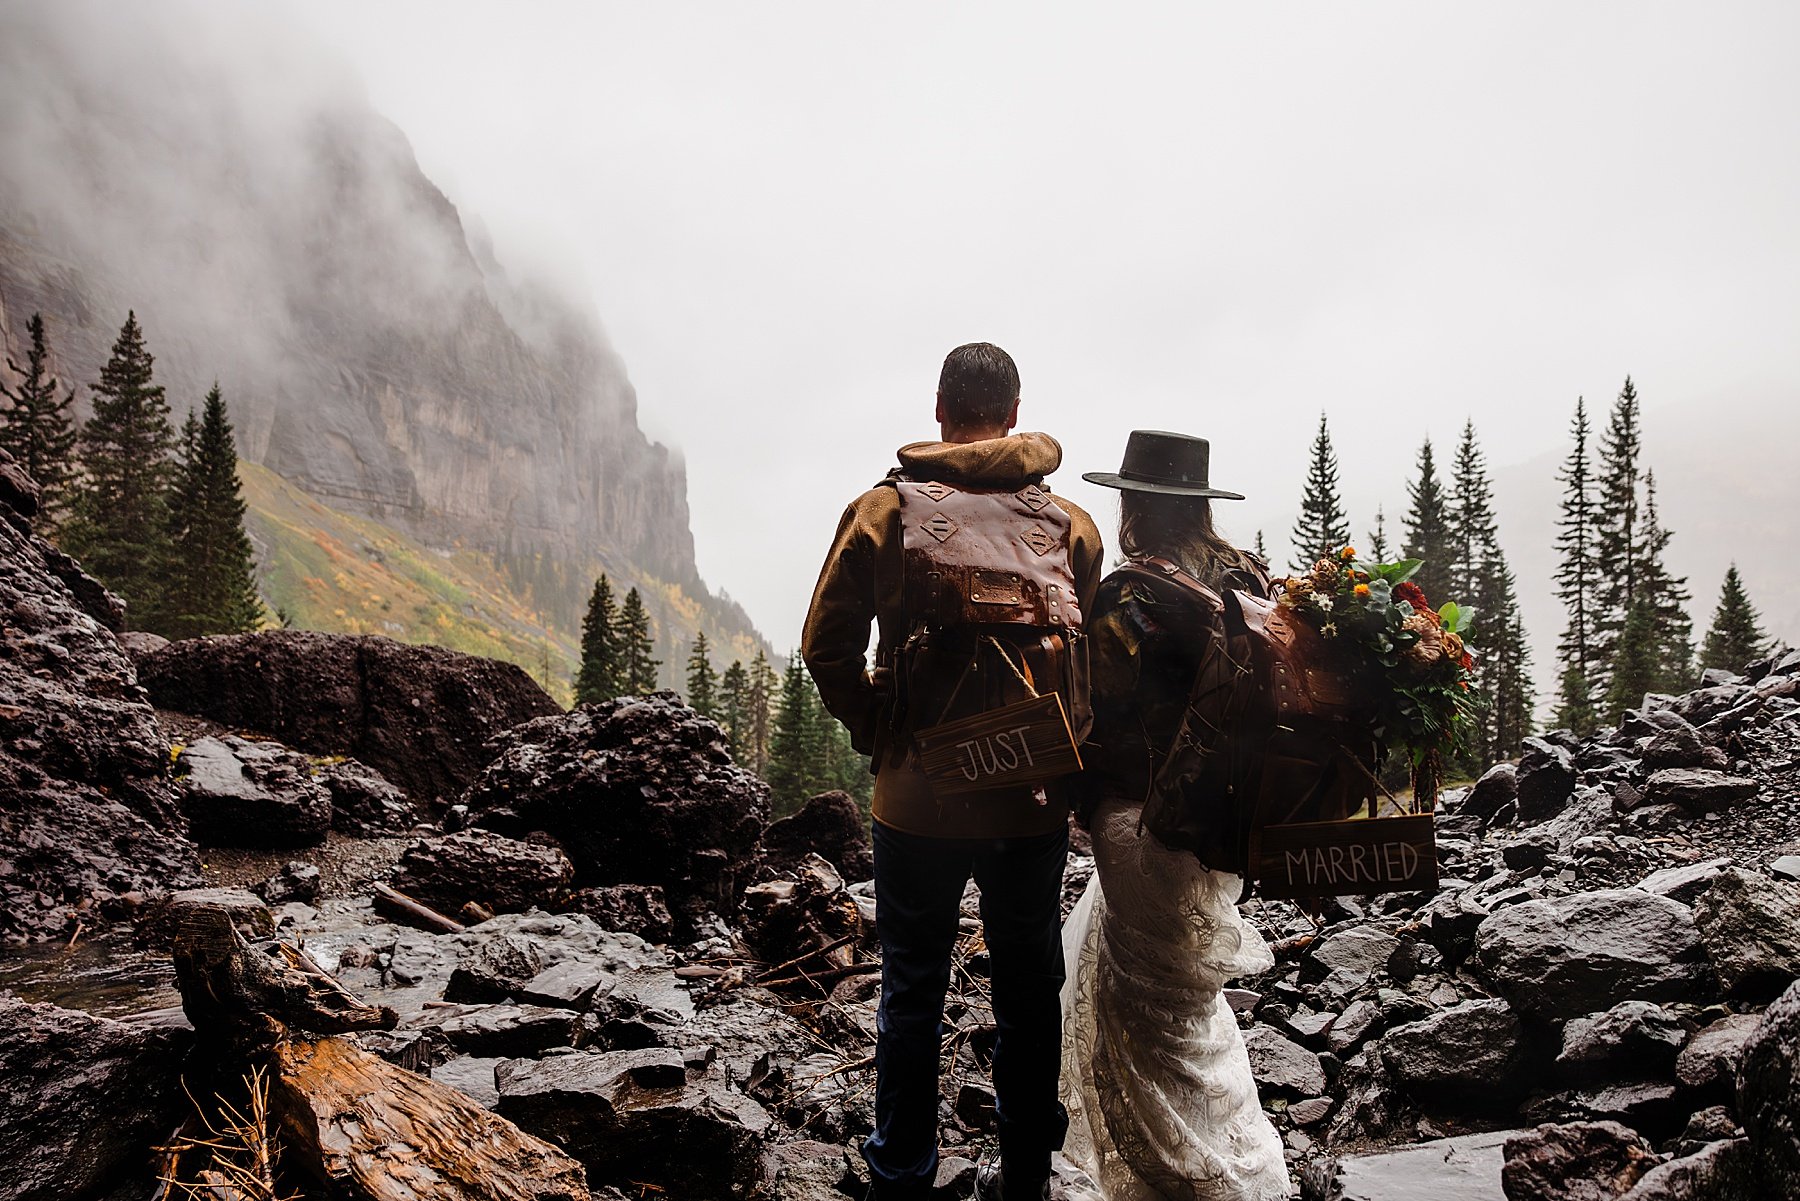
1162	1105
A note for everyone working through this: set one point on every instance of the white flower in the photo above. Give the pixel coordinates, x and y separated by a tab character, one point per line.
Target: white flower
1323	601
1329	629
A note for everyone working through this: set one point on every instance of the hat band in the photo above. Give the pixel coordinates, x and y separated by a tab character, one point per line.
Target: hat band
1146	478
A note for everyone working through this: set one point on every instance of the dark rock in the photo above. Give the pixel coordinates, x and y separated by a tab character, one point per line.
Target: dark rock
295	881
509	1031
1452	1169
1310	1112
1751	927
641	1117
419	715
830	826
639	790
809	912
1683	883
82	1098
1281	1066
1698	789
809	1170
1472	1055
1633	1038
1721	1171
1546	779
1345	961
1570	956
975	1106
1451	919
472	1075
88	813
1709	1062
1682	746
1309	1027
1704	704
1768	1082
363	803
501	874
1706	1126
1577	1161
563	960
1647	1105
1358	1021
138	643
239	793
638	909
1497	786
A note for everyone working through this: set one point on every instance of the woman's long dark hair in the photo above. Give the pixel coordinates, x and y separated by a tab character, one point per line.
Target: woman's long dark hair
1178	528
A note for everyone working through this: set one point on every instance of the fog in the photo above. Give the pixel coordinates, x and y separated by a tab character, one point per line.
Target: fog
1218	219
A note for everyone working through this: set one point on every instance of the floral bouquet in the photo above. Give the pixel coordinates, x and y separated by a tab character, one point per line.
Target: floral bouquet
1410	657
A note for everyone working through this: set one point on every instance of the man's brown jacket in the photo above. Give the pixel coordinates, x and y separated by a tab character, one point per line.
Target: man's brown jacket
861	582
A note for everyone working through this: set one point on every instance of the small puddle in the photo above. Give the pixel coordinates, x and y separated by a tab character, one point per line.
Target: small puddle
108	977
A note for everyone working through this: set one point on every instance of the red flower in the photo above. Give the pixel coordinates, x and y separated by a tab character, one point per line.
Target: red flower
1412	594
1467	662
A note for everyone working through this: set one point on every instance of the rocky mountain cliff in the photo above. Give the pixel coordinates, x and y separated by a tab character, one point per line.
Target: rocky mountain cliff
272	231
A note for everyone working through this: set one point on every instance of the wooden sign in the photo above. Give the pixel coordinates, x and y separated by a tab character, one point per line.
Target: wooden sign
1021	744
1362	855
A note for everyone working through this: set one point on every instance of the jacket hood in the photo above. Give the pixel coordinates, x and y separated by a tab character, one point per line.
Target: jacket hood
1009	462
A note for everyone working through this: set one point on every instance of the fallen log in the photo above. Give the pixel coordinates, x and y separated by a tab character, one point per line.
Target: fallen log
376	1132
395	904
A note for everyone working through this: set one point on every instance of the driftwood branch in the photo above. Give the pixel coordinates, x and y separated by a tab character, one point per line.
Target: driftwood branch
397	905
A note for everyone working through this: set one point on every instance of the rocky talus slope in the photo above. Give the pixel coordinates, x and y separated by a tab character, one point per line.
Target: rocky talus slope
585	925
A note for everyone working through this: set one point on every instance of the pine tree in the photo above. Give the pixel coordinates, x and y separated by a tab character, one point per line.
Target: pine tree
1616	539
794	766
1635	670
702	680
843	767
599	677
215	562
1481	578
734	709
1262	551
38	430
1427	526
765	693
1378	539
637	647
1736	637
1322	529
1577	584
119	519
1672	629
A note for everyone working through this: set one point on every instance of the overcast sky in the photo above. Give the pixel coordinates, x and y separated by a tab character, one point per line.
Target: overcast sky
1211	218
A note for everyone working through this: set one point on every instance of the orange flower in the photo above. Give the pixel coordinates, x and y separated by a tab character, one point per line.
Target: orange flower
1347	554
1362	590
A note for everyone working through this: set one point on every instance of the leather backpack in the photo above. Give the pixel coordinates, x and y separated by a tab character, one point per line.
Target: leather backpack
993	617
1273	731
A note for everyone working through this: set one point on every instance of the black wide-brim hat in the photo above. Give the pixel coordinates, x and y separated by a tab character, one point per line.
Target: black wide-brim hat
1164	463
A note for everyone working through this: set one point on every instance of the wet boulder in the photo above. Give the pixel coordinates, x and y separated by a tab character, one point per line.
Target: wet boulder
1472	1055
1576	1161
295	881
1633	1038
806	912
1708	1065
1720	1171
1768	1082
260	795
639	909
1546	779
558	960
642	1117
364	804
83	1098
1570	956
507	1031
1697	789
89	814
1497	788
1751	927
419	715
830	826
503	875
1281	1065
638	790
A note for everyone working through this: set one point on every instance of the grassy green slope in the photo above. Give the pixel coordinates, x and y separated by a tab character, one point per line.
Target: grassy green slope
326	569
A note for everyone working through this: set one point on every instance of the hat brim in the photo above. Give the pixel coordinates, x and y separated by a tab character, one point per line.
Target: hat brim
1112	479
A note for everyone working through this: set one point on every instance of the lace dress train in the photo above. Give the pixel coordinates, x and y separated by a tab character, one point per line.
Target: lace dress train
1162	1104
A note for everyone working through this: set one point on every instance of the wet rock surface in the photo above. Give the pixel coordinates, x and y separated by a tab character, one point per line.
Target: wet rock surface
829	826
419	715
503	875
83	1097
89	814
639	790
239	793
1578	1161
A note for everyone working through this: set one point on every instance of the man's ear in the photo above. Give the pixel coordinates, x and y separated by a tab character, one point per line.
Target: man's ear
1012	415
938	416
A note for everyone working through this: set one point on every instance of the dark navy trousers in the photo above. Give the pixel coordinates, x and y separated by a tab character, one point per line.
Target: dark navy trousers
919	884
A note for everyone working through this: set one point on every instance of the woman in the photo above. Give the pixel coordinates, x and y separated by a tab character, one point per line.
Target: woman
1161	1099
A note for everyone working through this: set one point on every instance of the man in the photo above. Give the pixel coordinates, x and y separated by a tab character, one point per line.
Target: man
1014	841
